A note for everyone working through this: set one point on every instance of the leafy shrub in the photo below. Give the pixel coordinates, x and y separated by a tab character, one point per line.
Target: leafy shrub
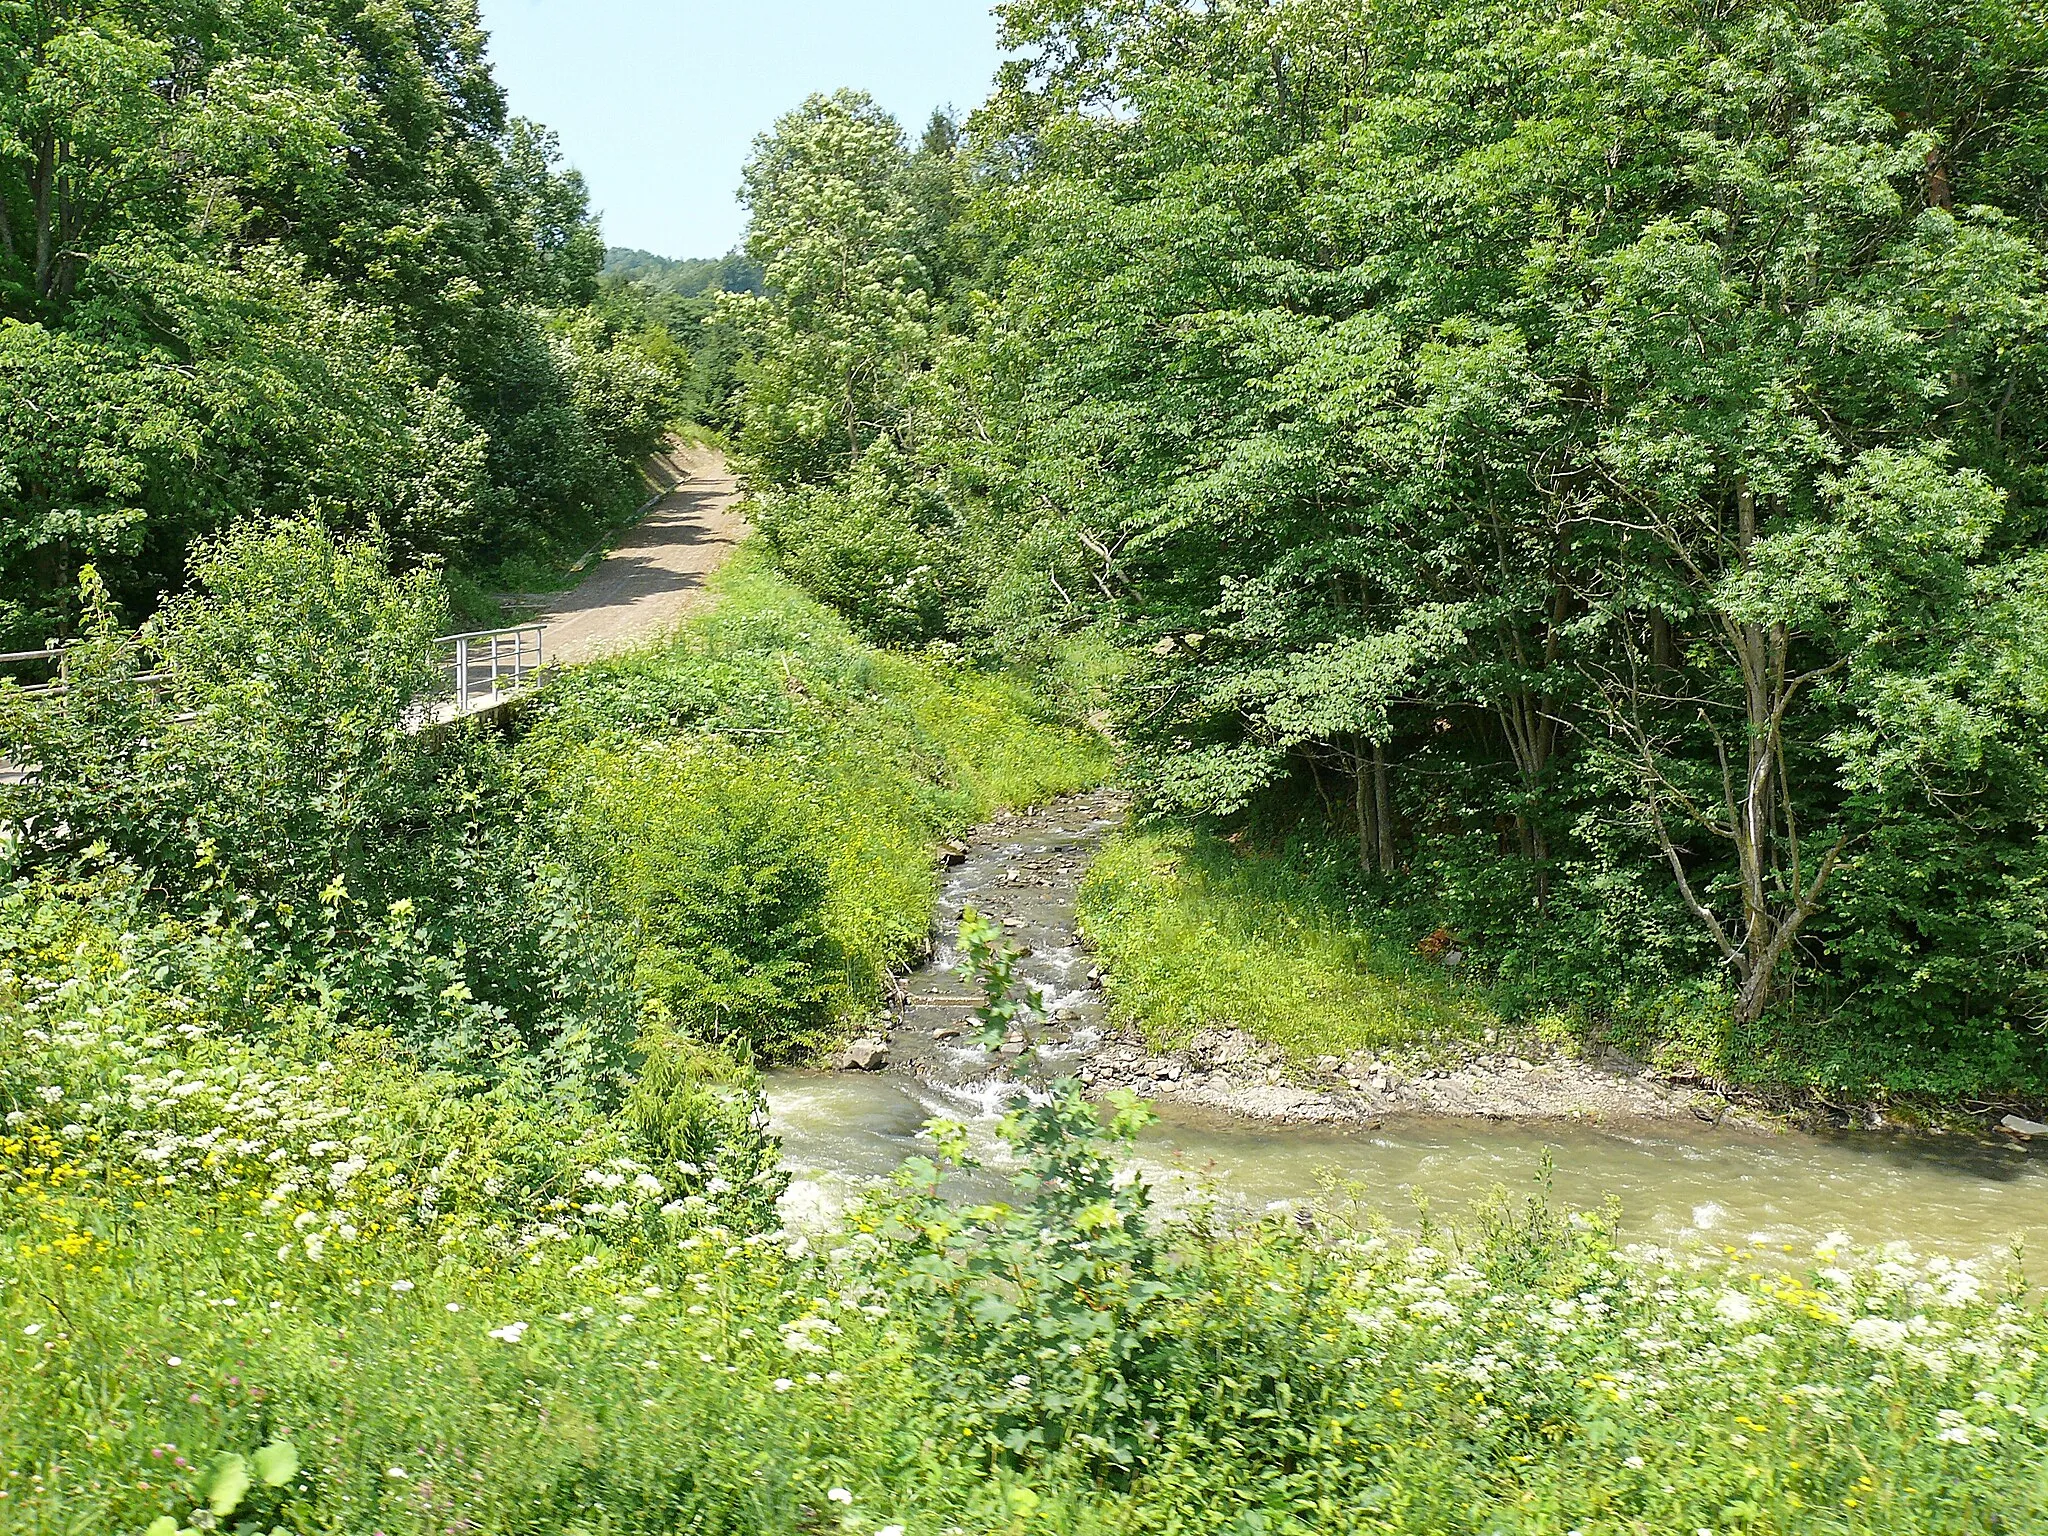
879	547
270	783
273	754
1051	1316
722	878
700	1118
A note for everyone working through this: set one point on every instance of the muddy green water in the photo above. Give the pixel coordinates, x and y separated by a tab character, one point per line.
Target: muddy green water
1710	1186
1719	1188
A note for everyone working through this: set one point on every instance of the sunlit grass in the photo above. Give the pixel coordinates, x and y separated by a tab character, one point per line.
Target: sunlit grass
869	757
1194	935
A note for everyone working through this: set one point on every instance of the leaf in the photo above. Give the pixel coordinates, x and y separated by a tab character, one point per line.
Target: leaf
277	1463
162	1525
230	1482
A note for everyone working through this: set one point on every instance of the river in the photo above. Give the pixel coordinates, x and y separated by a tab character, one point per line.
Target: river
1719	1187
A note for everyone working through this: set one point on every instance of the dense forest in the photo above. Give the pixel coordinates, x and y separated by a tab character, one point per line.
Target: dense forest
1554	490
295	260
1586	465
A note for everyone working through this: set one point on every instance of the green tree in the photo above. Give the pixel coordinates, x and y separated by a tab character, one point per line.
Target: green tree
845	316
1606	442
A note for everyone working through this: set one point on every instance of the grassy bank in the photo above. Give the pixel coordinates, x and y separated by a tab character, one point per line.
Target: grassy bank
760	797
1294	946
1193	934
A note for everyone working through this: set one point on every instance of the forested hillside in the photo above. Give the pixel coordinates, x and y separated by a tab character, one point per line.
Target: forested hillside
296	260
683	300
1570	482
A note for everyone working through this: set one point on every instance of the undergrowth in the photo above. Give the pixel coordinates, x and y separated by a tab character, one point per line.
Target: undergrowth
760	796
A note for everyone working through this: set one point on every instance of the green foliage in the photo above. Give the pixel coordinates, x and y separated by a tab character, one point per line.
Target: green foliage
270	755
687	279
1007	1004
699	1117
861	422
1051	1316
1626	536
285	261
725	877
251	761
874	546
842	320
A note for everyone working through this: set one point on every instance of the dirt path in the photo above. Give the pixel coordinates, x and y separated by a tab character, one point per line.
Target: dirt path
654	577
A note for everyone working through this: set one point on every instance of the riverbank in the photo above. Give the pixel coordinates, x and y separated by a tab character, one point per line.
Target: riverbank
1025	869
1113	1022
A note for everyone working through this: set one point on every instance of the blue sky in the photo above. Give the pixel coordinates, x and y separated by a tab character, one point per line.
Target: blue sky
657	103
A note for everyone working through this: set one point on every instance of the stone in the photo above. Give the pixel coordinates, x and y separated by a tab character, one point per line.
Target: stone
865	1056
1328	1064
948	1033
1012	1048
954	852
2026	1130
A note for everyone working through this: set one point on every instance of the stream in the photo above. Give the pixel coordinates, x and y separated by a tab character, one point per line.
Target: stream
1677	1183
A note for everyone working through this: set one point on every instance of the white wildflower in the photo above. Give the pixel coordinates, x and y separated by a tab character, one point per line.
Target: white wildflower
1878	1333
1735	1308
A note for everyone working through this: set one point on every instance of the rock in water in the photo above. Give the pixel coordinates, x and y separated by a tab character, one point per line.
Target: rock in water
2026	1129
865	1056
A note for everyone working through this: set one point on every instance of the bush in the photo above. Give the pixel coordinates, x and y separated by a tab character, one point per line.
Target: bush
880	547
722	877
271	785
273	754
700	1118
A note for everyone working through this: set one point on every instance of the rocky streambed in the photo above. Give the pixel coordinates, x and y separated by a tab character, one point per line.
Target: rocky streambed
1024	869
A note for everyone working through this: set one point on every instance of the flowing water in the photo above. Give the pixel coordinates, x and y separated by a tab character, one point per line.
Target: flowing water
1720	1187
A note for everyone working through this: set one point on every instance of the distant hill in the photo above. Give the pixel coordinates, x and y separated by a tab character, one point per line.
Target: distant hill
686	278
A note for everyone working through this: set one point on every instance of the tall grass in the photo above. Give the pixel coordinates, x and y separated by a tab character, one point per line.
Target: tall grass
1193	934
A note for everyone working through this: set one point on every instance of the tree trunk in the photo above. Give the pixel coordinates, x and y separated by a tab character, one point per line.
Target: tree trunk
43	179
1364	810
1383	808
1757	816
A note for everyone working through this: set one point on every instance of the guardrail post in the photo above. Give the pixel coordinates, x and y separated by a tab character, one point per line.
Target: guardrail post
462	676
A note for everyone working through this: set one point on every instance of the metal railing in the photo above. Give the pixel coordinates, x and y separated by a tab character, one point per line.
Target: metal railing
486	665
51	655
479	670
